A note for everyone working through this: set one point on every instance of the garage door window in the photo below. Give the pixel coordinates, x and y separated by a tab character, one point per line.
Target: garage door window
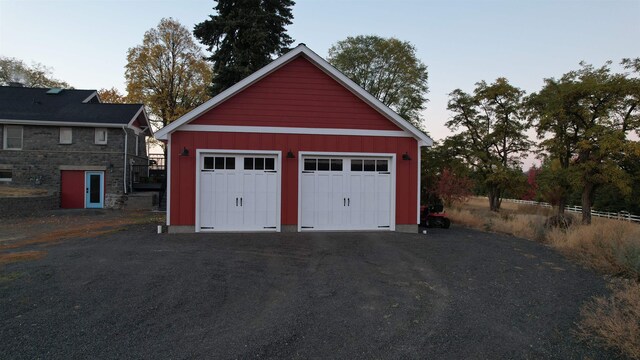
323	164
259	163
219	163
369	165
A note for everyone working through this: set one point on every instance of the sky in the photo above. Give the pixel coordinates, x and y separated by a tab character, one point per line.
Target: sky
461	41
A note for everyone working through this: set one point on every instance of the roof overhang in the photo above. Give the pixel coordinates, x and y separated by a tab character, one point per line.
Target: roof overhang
140	115
422	138
144	127
60	123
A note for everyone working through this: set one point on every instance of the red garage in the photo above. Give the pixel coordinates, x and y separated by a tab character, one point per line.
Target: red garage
296	146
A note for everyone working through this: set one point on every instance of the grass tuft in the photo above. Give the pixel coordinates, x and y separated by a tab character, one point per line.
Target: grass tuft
614	320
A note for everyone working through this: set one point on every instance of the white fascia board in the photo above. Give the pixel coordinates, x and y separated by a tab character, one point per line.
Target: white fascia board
209	104
294	130
59	123
139	129
364	95
94	94
323	65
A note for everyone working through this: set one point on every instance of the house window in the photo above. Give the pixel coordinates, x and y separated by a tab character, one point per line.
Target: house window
6	173
65	135
12	137
101	136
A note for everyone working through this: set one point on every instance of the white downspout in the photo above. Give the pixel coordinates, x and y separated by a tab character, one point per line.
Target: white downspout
126	142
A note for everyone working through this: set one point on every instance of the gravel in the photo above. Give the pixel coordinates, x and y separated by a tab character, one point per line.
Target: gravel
456	293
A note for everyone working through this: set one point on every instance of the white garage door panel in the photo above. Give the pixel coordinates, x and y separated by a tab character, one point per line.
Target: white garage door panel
343	197
236	196
307	200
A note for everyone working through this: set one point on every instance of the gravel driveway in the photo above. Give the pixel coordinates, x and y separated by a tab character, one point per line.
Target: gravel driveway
454	293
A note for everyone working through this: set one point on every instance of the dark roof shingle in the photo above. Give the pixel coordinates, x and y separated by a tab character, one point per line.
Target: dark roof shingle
21	103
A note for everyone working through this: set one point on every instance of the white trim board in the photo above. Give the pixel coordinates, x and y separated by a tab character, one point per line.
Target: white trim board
274	65
60	123
293	130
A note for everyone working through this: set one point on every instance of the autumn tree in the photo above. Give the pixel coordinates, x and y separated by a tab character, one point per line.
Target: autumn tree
434	161
388	69
111	96
13	70
531	191
584	120
243	37
452	187
490	125
167	72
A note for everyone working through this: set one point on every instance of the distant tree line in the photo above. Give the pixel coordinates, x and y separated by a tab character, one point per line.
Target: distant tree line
585	123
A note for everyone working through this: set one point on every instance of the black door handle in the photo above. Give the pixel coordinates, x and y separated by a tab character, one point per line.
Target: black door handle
236	201
240	201
348	201
344	201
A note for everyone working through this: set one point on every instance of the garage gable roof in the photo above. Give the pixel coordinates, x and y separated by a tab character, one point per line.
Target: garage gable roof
321	63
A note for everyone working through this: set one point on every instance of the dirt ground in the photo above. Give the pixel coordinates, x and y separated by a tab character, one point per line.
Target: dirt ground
28	238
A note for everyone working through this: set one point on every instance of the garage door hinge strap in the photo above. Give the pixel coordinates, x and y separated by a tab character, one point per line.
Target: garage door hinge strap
307	227
380	226
269	227
308	172
271	171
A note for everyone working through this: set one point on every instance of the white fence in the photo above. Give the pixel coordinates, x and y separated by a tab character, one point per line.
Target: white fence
622	215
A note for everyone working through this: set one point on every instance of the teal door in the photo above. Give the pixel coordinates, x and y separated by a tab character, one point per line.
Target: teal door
94	189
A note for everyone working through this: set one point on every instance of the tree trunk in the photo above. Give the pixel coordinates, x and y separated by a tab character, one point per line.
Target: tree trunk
494	199
562	204
587	196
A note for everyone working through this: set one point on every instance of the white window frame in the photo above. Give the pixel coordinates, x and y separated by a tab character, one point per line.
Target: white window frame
6	168
63	140
5	135
99	141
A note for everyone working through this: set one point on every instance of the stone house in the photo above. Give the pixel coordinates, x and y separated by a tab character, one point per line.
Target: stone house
68	142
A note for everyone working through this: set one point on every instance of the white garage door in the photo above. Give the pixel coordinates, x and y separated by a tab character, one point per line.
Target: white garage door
238	192
346	193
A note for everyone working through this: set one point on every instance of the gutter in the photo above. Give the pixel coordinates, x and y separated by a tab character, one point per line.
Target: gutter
124	169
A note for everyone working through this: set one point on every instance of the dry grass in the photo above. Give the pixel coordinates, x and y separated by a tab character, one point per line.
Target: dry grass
609	246
11	257
11	191
614	320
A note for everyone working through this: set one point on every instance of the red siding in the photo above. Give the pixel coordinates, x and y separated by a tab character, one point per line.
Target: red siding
72	189
183	168
298	94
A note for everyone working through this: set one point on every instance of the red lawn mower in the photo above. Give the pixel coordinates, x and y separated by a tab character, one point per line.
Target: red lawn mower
433	216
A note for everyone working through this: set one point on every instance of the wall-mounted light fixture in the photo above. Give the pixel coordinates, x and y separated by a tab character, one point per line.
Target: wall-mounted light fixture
290	155
406	156
185	151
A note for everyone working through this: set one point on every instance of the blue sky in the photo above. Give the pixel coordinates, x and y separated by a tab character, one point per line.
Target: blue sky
462	42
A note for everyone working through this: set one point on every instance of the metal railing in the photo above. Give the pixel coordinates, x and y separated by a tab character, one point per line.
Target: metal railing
621	215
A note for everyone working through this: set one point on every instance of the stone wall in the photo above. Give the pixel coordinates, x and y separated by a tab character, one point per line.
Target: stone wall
42	157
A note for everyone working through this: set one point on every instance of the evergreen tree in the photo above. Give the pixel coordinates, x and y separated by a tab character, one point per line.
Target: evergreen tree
243	36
